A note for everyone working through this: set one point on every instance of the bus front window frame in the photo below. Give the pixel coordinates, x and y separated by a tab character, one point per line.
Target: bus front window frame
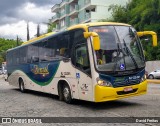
114	72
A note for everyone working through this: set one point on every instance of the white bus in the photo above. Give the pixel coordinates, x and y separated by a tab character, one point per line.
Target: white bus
95	62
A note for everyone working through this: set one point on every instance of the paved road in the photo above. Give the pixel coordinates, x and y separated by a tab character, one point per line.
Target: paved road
13	103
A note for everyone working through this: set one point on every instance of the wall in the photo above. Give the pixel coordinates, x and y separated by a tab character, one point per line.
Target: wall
108	2
152	65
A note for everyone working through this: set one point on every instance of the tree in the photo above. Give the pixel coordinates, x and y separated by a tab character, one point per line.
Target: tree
6	44
142	14
51	26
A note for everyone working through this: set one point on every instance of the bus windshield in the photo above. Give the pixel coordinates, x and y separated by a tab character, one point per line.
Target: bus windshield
120	49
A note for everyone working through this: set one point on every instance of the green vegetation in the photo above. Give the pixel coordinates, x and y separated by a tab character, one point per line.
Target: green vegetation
143	15
51	26
5	44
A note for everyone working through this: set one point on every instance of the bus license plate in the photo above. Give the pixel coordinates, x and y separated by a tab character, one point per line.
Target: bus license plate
128	89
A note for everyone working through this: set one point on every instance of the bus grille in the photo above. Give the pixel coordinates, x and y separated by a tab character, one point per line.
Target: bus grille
126	83
123	92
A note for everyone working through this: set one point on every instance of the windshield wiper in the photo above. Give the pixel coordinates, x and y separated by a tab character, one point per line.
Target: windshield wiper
134	35
130	54
119	52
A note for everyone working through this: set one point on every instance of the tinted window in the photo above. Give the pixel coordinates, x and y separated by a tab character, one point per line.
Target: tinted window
15	57
54	48
80	57
33	55
23	54
9	58
48	50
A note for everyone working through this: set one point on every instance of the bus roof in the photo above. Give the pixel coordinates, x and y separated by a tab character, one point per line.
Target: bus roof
86	25
38	38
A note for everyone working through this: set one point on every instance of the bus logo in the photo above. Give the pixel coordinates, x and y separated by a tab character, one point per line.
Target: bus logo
42	71
122	66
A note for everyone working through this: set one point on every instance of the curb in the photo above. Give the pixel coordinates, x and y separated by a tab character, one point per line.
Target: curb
153	81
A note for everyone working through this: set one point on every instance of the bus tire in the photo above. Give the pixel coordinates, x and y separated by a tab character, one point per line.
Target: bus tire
60	88
21	86
66	92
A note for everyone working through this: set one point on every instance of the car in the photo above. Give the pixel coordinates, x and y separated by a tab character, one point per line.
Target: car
4	72
1	72
154	74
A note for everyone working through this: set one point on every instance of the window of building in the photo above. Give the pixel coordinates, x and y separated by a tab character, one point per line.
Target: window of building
87	11
93	10
62	23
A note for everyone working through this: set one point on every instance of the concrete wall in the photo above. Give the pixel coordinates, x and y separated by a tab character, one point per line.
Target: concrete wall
102	8
152	65
109	2
101	13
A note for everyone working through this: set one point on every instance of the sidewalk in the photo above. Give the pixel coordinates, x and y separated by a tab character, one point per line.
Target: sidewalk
155	81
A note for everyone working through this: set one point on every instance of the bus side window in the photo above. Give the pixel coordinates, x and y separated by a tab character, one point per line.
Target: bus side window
23	55
82	58
79	51
33	53
64	45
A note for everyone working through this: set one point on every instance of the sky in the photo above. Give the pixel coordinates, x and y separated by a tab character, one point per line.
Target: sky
14	15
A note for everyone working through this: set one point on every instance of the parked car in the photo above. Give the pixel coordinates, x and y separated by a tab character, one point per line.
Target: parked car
154	74
1	72
4	71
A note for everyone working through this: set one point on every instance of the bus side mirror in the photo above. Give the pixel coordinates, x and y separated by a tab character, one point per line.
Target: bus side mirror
95	39
154	36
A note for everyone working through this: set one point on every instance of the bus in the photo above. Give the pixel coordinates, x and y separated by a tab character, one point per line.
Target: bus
95	62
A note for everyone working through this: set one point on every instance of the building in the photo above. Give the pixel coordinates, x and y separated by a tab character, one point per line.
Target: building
71	12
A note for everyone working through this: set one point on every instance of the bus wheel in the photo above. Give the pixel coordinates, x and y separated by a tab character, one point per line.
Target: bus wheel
67	94
21	86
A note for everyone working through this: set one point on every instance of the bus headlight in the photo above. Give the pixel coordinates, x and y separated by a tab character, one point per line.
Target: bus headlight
143	78
103	83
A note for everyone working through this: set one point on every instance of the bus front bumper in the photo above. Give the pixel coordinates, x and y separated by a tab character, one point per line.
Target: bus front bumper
103	94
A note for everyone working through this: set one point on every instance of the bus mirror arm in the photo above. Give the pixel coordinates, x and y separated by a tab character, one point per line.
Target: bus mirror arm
154	36
95	39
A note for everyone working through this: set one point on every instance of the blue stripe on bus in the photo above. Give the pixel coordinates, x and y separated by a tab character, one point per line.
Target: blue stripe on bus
40	73
123	81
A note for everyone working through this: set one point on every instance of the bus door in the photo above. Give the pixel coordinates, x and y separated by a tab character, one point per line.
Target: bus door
83	72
